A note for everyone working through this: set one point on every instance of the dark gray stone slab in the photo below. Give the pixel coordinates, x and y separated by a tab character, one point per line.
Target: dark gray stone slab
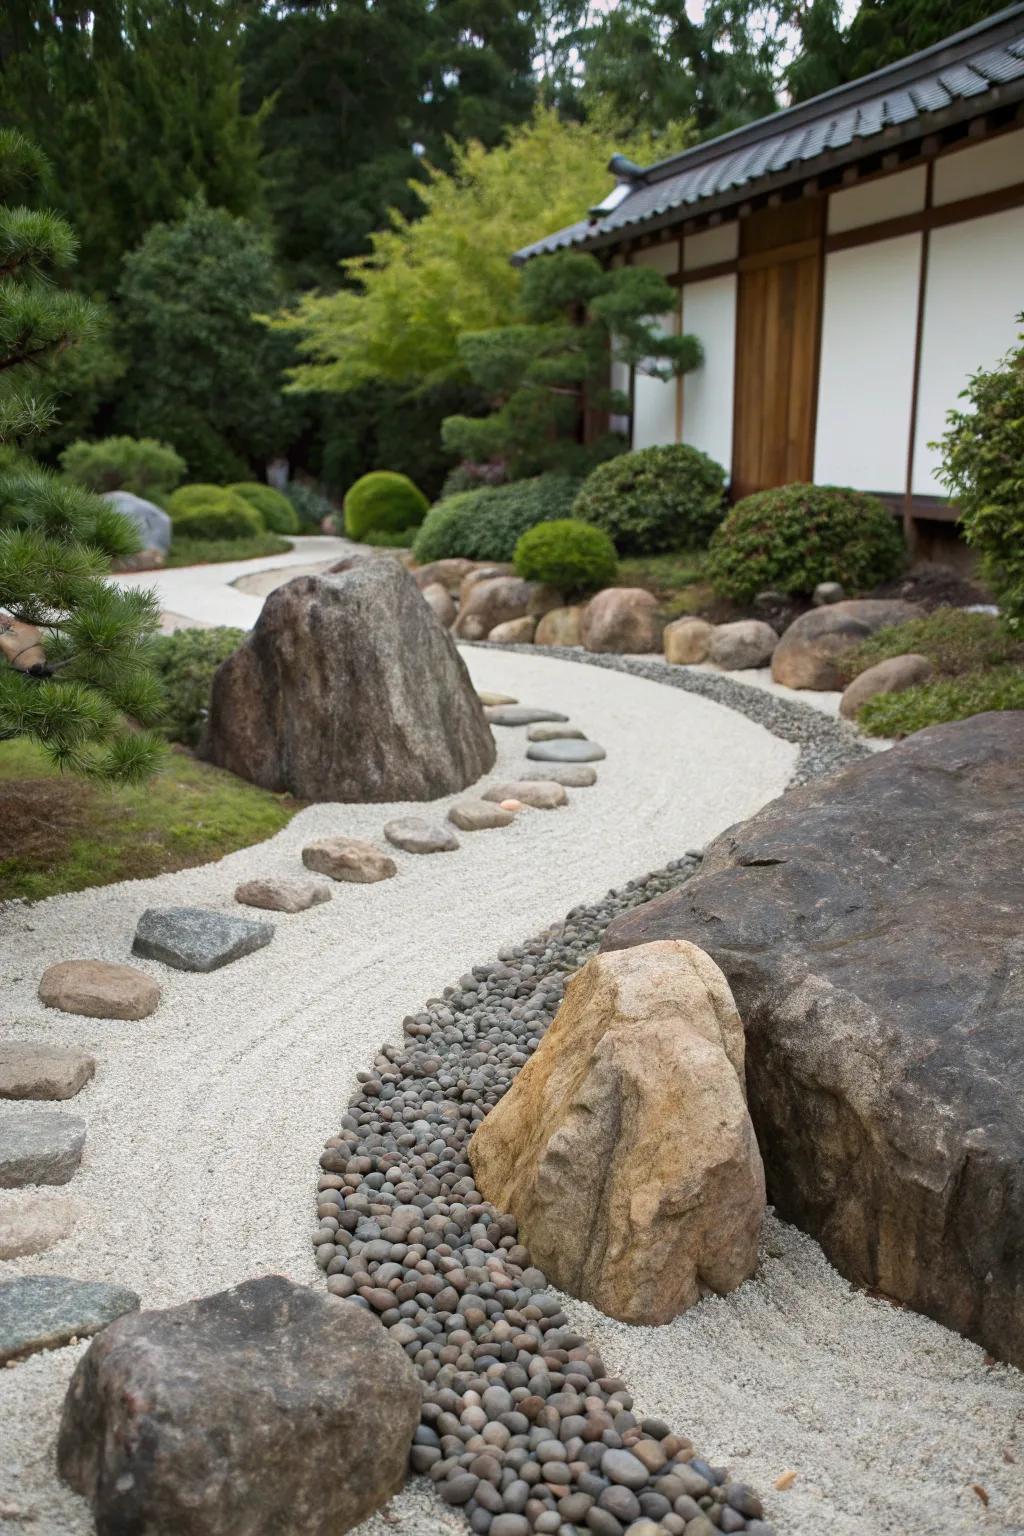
45	1311
418	836
566	752
522	714
195	939
41	1146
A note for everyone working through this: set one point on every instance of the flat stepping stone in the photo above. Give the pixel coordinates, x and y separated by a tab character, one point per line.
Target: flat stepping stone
349	858
522	714
493	699
566	752
30	1071
45	1311
99	990
572	775
540	794
40	1147
196	939
33	1223
479	815
555	733
283	895
417	836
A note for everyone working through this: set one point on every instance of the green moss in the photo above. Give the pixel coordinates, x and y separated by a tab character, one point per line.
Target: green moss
955	642
951	698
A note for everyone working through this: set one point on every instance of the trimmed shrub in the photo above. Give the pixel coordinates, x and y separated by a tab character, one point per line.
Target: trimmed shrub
655	499
487	524
568	554
468	476
382	538
956	642
311	506
795	536
185	663
947	698
276	511
212	512
138	464
385	501
983	465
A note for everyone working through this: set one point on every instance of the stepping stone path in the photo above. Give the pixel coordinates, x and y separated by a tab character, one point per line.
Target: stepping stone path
522	714
99	990
283	894
349	858
40	1147
479	815
566	752
45	1311
417	836
196	939
491	700
555	733
572	775
33	1223
540	794
43	1071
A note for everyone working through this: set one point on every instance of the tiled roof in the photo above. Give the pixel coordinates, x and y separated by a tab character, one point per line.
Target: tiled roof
972	72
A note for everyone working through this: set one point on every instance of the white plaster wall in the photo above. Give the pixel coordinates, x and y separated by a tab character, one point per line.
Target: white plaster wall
888	197
663	258
654	401
998	162
709	313
975	290
711	246
866	382
619	380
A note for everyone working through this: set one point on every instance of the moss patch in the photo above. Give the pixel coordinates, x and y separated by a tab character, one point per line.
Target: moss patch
215	551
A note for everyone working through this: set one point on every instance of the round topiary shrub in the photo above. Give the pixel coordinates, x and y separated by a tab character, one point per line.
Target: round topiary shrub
575	557
796	536
276	511
212	512
384	501
654	499
487	524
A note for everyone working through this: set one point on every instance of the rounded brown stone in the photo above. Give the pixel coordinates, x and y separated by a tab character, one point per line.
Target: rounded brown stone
99	990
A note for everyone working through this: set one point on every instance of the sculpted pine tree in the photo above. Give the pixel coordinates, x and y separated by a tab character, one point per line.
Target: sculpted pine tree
74	650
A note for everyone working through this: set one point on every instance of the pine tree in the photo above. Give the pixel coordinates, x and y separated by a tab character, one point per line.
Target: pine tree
57	540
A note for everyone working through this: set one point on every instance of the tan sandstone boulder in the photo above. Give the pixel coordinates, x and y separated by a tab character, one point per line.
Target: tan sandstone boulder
446	573
21	644
441	601
350	859
481	572
99	990
623	619
687	641
514	631
807	655
624	1148
561	626
490	603
891	676
746	643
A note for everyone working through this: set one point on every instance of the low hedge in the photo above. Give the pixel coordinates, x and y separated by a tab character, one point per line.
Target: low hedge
142	465
185	663
383	502
276	511
568	554
955	642
947	698
487	524
655	499
791	538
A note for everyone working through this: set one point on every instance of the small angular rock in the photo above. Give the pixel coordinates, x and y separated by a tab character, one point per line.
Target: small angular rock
282	894
479	815
572	775
540	794
42	1146
99	990
29	1071
197	939
32	1223
45	1311
349	858
418	836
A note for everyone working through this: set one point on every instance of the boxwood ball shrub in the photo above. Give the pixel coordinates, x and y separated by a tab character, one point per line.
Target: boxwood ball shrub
795	536
655	499
212	512
383	500
141	465
277	512
568	554
487	524
185	663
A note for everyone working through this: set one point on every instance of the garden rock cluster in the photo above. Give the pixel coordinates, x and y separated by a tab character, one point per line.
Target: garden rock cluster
624	1148
867	926
809	652
348	689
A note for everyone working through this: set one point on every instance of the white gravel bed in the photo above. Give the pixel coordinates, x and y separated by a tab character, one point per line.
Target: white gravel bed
205	1121
826	700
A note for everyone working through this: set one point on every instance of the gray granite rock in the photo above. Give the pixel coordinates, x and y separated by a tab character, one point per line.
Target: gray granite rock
418	836
282	894
152	522
566	752
523	714
45	1311
42	1146
30	1071
572	775
479	815
196	939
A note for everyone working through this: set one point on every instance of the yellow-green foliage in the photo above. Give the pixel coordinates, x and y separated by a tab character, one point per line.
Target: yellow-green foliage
212	512
276	511
384	503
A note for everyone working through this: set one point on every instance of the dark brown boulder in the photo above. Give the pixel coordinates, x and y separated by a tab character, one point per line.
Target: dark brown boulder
349	689
870	926
268	1407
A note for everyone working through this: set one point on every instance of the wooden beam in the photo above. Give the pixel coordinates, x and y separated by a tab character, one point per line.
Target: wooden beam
915	388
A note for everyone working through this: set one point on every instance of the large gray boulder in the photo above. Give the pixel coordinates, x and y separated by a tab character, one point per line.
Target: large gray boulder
267	1407
152	522
870	927
349	689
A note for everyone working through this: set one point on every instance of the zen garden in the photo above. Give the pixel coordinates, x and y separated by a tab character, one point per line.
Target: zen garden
512	768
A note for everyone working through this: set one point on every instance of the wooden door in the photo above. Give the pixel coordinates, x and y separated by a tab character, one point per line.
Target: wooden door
778	322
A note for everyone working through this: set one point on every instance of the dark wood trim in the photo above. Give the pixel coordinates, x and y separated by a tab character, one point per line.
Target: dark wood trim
795	251
915	387
928	509
819	322
1000	200
702	274
679	332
